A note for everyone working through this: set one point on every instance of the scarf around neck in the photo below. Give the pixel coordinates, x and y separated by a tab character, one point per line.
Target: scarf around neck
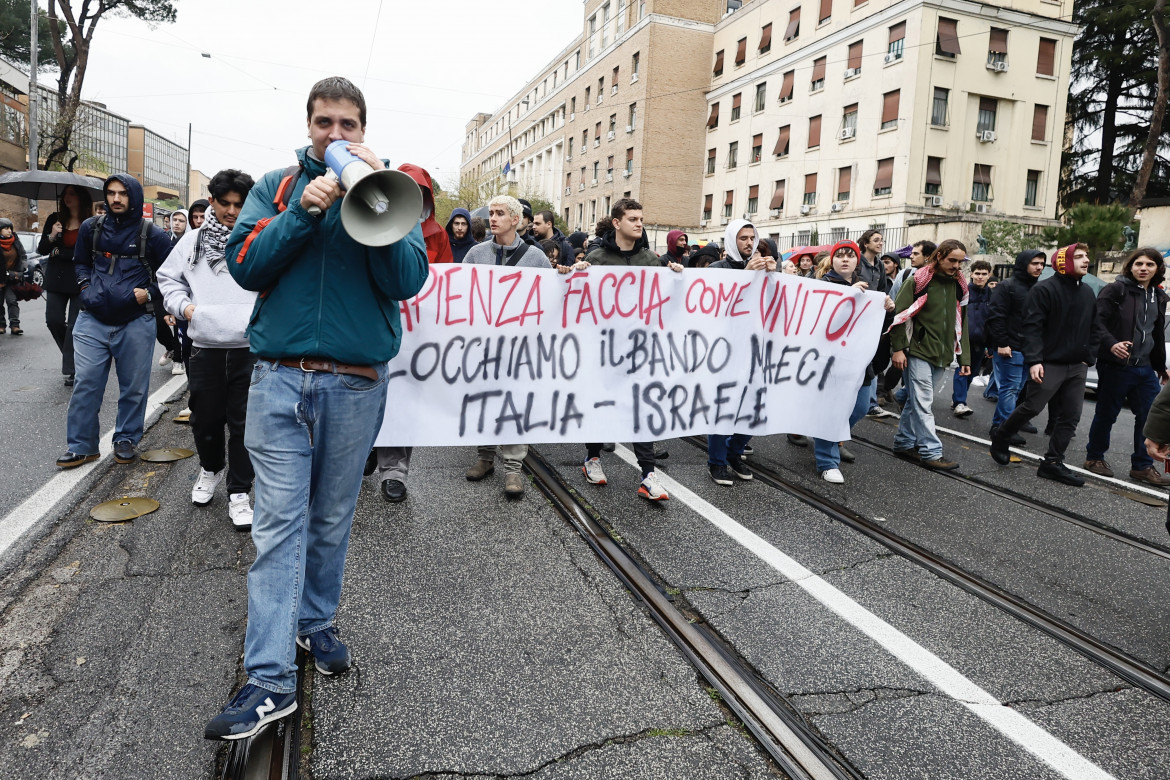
922	278
213	236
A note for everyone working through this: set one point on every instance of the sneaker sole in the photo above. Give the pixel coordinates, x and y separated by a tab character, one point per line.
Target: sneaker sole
1053	478
125	460
744	477
592	481
202	503
76	463
644	493
269	718
724	482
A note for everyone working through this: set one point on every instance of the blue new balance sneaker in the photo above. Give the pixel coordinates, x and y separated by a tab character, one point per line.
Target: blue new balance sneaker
248	711
330	653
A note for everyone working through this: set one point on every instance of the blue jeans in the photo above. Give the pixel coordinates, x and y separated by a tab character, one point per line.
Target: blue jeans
1009	376
95	344
308	436
960	384
828	453
916	428
718	447
992	389
1118	386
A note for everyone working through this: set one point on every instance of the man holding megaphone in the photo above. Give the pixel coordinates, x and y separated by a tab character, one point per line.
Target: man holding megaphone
330	272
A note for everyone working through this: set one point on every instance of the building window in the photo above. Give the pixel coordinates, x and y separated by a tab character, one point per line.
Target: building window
897	42
612	123
997	47
728	203
946	44
600	89
710	161
605	25
757	147
713	119
938	111
826	12
634	62
981	184
883	183
592	36
766	38
630	161
786	87
988	108
810	190
890	102
596	170
844	182
633	117
707	206
853	60
732	155
587	94
609	167
1031	188
569	156
740	52
1046	58
793	29
736	100
777	203
613	84
814	131
782	141
849	122
761	93
818	74
933	175
718	69
1040	123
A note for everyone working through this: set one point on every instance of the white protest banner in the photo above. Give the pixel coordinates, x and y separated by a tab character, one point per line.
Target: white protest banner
499	355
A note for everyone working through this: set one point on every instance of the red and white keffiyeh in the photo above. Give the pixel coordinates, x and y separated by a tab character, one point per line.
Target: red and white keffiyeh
922	278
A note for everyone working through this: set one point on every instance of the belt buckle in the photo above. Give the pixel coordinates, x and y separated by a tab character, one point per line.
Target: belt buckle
307	370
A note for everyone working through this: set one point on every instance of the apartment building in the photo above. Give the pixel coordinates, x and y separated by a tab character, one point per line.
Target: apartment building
923	117
159	164
605	119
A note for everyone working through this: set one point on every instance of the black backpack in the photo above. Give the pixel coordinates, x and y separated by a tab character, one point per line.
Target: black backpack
142	234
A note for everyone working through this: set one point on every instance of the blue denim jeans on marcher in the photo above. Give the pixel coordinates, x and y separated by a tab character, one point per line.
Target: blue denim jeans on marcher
1119	386
961	384
828	453
308	436
95	344
992	389
1009	376
916	428
718	446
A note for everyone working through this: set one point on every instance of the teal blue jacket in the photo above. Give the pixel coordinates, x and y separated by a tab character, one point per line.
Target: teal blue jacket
322	294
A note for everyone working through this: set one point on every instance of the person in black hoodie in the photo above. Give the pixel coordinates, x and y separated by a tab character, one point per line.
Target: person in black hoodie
61	292
979	299
459	233
1004	329
1060	343
118	298
1131	360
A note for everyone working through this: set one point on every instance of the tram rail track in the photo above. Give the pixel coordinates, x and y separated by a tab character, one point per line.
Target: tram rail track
780	730
1133	670
273	753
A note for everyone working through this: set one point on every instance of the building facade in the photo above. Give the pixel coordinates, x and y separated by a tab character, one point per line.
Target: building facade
13	139
99	135
159	164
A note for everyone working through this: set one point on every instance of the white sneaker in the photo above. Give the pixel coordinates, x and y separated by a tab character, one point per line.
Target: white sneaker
593	473
165	360
962	410
239	510
177	369
652	489
834	476
979	381
205	486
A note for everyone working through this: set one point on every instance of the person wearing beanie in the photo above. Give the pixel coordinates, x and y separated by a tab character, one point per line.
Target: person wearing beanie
197	213
1131	360
525	228
929	331
459	233
1060	343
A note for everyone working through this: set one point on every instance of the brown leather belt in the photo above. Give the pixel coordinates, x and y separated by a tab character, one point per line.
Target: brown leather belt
328	366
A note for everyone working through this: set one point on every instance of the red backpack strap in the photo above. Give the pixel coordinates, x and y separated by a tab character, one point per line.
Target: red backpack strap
288	183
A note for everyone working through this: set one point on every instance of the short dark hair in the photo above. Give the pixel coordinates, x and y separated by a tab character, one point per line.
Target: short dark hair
622	206
230	180
928	247
478	228
980	265
548	217
337	88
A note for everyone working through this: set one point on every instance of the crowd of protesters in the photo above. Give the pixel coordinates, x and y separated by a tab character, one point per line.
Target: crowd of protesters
234	293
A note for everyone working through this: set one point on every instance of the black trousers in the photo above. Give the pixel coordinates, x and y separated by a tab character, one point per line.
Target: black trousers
643	451
61	312
1063	392
219	380
163	331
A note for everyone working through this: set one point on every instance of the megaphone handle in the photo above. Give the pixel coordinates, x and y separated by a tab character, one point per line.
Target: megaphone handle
316	210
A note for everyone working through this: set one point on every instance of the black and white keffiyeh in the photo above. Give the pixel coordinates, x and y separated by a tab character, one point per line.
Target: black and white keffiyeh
213	236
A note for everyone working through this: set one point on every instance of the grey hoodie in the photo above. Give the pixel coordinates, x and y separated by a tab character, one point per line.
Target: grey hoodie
222	307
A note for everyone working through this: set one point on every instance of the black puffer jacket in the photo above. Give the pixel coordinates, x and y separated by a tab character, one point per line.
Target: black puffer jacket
1005	316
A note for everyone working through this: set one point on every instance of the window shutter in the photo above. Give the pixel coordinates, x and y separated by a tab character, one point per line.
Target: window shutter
766	37
782	140
810	184
826	10
885	174
890	106
730	199
713	120
850	109
707	202
718	69
934	170
948	36
814	131
998	41
777	197
629	154
854	56
1046	58
741	52
736	100
983	174
819	68
786	87
793	23
1039	122
754	191
898	32
758	140
845	179
988	104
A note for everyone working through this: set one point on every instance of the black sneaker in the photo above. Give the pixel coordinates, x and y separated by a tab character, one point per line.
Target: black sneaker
248	711
737	467
999	449
1058	472
371	463
125	452
721	475
1028	428
330	653
72	459
393	490
1015	440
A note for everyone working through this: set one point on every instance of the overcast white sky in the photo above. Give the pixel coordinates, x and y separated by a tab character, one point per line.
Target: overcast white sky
425	68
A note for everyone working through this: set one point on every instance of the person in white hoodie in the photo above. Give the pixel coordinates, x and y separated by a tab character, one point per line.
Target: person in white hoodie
197	287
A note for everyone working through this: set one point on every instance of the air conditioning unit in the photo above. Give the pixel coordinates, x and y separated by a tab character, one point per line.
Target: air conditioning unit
847	133
986	136
594	182
702	223
609	177
568	158
851	72
572	116
581	186
629	128
805	210
775	212
837	207
626	174
982	208
893	57
596	142
569	190
634	79
998	67
723	220
611	135
934	201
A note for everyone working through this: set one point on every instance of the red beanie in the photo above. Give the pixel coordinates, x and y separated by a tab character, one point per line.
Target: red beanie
1062	261
845	245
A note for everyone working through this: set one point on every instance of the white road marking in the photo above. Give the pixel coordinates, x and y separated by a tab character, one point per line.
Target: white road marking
938	672
34	508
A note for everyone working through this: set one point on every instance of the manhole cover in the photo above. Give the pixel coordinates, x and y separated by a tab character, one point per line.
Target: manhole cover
122	509
166	455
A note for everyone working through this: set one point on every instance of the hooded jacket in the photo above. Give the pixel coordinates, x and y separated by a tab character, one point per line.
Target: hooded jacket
566	248
186	216
1004	326
1120	305
610	254
459	246
438	246
107	287
733	259
1060	322
323	295
710	251
222	307
19	259
673	253
978	304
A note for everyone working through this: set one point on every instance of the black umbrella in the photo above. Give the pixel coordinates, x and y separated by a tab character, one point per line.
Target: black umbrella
46	185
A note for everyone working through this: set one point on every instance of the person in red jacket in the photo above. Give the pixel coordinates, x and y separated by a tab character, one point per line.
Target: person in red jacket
438	245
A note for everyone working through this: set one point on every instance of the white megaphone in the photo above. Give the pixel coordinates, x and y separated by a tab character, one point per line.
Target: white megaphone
380	206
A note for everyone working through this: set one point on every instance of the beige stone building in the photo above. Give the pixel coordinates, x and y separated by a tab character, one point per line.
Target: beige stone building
828	117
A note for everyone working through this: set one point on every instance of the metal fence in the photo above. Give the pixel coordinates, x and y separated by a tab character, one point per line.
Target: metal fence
895	238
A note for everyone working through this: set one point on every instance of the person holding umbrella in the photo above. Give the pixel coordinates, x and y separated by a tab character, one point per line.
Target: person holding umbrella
62	302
